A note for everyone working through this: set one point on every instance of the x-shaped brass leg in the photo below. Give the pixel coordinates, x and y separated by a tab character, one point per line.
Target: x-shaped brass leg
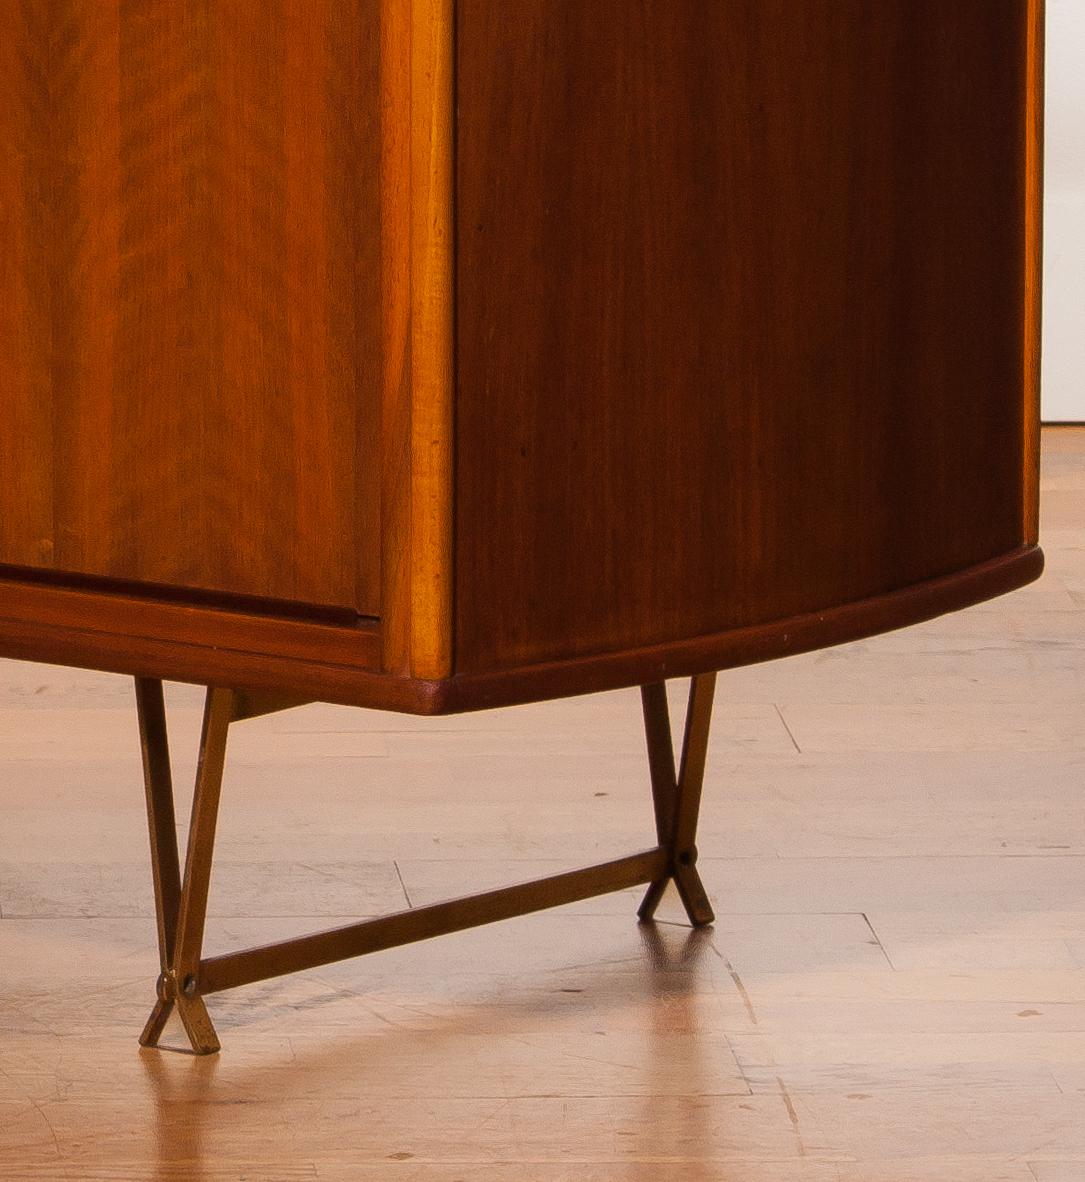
677	798
181	905
181	902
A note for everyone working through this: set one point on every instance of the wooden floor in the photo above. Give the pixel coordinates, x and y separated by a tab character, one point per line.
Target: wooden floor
893	833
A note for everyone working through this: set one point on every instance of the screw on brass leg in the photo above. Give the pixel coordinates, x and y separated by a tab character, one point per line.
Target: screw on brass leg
677	798
181	907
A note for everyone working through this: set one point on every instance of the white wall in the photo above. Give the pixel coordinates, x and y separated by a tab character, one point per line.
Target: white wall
1064	214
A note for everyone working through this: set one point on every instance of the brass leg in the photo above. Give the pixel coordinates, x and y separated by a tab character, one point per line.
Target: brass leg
181	906
657	733
158	782
677	798
181	901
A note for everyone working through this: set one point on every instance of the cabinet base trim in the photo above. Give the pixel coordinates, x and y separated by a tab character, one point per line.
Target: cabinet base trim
339	665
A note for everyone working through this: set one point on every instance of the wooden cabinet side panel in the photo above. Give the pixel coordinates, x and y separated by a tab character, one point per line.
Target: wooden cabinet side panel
191	349
740	311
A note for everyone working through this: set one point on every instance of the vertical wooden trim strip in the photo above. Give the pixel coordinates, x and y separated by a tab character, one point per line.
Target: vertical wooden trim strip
395	202
1034	160
431	336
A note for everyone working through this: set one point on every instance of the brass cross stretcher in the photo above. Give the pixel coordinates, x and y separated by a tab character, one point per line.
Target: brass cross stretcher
187	976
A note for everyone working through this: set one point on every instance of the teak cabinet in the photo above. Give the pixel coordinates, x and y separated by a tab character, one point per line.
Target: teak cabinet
432	355
442	354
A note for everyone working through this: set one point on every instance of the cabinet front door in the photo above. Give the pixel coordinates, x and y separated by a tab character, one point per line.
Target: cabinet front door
189	328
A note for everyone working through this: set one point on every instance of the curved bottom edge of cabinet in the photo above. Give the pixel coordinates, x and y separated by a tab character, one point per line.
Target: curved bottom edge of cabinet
255	687
70	628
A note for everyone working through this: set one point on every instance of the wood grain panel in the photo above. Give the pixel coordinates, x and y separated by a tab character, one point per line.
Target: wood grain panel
191	354
740	311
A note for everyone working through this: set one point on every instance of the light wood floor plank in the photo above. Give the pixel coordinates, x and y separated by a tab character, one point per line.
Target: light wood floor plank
893	833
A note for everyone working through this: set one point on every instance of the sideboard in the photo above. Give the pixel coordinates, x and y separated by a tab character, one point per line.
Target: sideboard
435	355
